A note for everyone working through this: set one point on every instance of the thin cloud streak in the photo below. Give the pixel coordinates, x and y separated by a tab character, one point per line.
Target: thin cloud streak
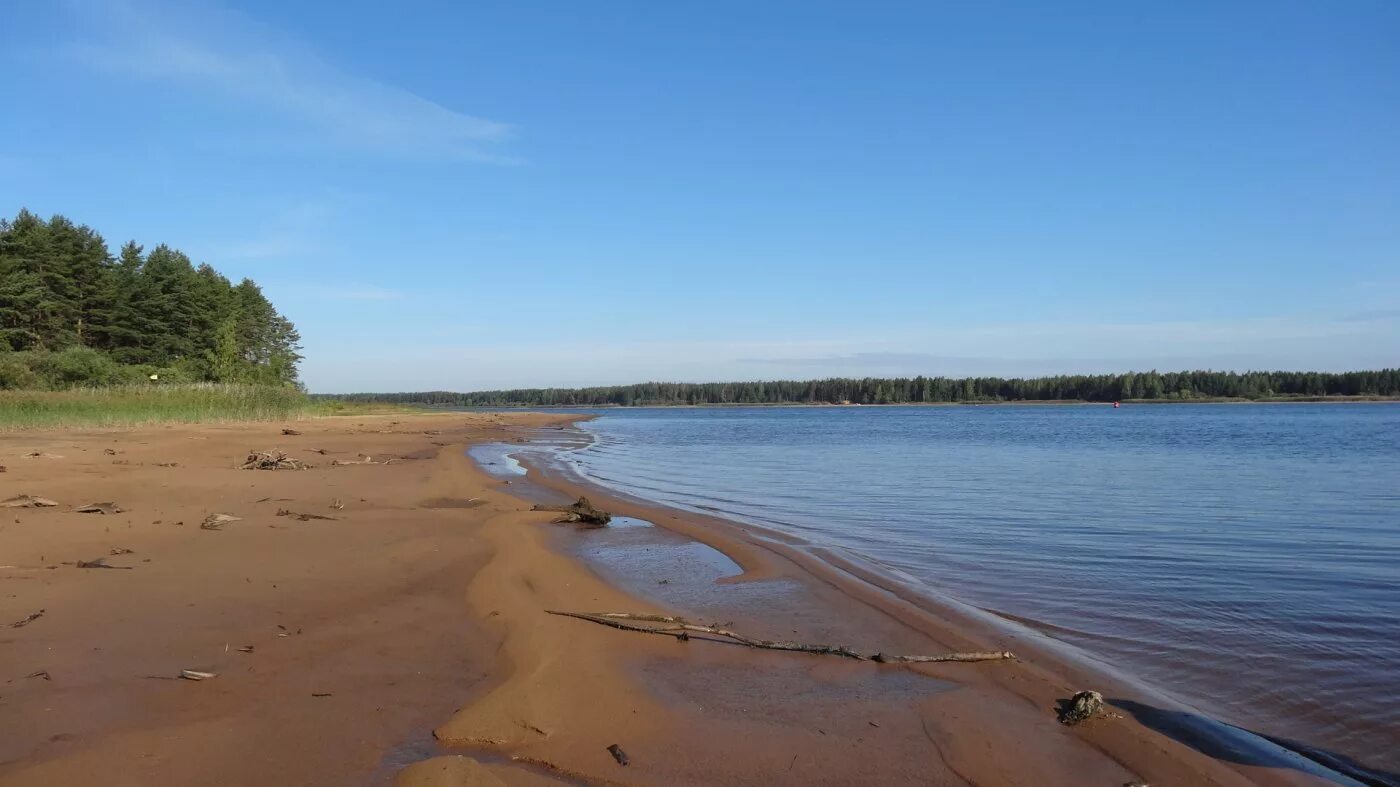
218	52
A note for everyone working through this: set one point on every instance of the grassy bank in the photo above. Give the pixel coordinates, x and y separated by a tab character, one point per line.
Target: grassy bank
129	405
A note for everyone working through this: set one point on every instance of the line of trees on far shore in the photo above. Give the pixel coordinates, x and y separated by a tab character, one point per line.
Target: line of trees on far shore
72	313
1150	385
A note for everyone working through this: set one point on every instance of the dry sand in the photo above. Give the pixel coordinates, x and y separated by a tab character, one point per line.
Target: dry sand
404	640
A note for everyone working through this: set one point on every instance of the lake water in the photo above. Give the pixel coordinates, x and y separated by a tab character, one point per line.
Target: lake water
1244	559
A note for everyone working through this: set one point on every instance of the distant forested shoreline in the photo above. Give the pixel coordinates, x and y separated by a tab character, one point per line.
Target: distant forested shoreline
73	314
1144	386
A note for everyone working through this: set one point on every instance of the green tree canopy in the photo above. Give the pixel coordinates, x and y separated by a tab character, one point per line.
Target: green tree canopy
62	291
1150	385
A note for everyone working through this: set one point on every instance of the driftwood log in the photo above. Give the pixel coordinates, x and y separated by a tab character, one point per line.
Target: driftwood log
680	628
580	511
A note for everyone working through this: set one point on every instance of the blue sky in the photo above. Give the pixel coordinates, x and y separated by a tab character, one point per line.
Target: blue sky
494	194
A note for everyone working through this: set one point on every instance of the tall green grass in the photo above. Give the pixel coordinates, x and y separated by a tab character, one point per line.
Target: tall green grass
129	405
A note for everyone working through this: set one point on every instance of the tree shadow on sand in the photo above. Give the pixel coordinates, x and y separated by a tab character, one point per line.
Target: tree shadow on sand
1238	745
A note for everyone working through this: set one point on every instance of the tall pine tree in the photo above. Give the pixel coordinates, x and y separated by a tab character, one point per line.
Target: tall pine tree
60	288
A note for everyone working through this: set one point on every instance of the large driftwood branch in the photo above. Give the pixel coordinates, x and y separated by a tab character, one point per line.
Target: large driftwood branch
680	628
580	511
272	460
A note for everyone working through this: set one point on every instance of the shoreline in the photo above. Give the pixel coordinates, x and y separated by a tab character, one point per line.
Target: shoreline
941	618
836	405
416	613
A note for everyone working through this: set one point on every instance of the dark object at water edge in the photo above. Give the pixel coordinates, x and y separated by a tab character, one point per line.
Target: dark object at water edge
1080	707
580	511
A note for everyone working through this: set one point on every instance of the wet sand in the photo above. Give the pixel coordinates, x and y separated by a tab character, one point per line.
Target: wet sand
404	641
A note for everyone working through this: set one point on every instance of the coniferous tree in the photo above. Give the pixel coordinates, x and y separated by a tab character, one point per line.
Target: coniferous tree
70	313
1149	386
27	302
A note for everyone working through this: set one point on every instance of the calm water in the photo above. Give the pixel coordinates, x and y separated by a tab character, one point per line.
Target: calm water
1244	559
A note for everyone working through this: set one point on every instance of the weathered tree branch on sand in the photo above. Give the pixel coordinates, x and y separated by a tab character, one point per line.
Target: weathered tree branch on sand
272	460
680	628
580	511
30	618
100	562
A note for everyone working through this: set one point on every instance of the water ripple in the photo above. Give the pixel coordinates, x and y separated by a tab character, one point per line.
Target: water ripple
1153	536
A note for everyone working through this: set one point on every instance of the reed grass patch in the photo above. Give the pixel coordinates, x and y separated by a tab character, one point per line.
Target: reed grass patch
130	405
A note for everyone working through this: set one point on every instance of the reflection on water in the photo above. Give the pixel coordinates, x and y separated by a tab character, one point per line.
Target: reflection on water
1170	540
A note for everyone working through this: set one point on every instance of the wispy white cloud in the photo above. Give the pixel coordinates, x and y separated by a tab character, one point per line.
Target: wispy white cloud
216	52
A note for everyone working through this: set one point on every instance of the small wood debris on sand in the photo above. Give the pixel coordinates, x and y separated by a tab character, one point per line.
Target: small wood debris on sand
453	502
41	455
290	432
618	754
580	511
100	562
194	674
217	521
363	460
99	508
30	618
27	501
300	516
272	460
121	551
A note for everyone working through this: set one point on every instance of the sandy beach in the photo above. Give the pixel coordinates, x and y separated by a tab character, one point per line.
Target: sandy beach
389	627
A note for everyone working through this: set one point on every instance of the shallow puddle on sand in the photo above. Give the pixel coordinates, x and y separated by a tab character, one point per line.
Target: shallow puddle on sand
497	460
425	747
670	569
633	553
416	749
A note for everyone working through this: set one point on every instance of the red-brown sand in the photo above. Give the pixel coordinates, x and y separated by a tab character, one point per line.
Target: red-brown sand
404	639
